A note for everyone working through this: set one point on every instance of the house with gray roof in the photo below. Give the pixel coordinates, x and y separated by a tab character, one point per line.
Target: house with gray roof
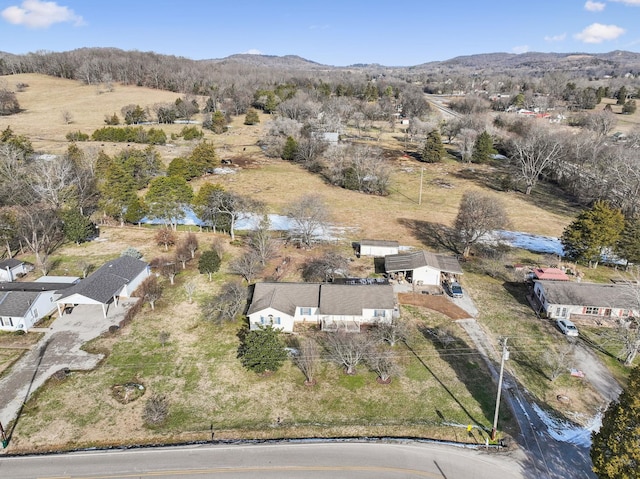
330	306
24	303
11	269
585	302
115	279
422	267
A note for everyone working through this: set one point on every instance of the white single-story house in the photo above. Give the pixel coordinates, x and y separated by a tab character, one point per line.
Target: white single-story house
331	306
377	248
23	304
11	268
422	267
115	279
585	301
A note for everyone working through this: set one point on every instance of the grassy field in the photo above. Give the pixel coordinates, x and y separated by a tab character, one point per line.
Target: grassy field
439	391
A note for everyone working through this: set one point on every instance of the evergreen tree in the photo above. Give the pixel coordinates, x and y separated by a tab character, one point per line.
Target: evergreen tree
179	167
203	159
628	246
622	95
136	210
167	198
116	191
433	148
251	118
629	107
290	149
209	263
482	148
262	349
76	227
218	122
615	448
592	233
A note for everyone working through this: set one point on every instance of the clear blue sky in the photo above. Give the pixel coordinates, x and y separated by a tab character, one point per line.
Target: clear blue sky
399	32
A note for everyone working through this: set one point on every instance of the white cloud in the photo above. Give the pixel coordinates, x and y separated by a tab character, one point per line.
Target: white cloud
555	38
594	6
38	14
598	33
633	3
520	49
253	51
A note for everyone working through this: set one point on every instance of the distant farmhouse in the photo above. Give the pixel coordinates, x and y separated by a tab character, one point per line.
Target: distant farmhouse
11	269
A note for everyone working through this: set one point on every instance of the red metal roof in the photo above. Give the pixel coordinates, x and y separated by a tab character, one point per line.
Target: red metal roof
553	274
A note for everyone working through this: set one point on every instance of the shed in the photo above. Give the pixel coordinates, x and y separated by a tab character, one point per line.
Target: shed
11	268
423	267
377	248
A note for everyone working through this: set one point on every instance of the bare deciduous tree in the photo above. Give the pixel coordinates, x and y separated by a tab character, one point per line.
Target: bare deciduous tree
156	409
347	349
534	153
167	267
227	304
478	215
383	363
391	331
261	241
41	230
556	360
150	290
248	266
191	243
309	215
190	288
325	268
307	359
165	237
183	255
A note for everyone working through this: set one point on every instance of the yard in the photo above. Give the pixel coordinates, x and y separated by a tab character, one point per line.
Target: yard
172	351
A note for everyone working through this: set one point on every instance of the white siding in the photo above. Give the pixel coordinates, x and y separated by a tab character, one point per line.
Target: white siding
427	275
41	307
378	251
273	317
133	284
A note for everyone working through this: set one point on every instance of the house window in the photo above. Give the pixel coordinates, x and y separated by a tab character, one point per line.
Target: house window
379	313
305	311
564	313
35	313
591	310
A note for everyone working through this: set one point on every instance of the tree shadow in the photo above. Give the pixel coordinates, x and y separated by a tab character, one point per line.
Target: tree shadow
518	290
469	370
433	235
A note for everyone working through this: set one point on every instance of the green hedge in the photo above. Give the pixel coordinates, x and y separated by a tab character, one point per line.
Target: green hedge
130	134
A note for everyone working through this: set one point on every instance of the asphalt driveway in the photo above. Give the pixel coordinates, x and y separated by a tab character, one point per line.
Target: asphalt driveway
58	349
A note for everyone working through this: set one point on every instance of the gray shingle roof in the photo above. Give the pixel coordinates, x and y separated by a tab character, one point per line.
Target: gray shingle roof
34	286
370	242
419	259
352	299
16	303
108	280
589	294
330	298
284	297
10	263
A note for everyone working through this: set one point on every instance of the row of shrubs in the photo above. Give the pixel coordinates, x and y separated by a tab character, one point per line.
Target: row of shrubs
130	134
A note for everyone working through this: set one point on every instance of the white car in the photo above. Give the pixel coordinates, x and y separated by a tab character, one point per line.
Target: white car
567	327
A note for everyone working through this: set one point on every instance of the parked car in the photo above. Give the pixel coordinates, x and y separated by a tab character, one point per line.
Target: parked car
567	327
455	289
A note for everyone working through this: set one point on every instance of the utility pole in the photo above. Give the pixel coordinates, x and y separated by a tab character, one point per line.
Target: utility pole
420	195
505	356
3	435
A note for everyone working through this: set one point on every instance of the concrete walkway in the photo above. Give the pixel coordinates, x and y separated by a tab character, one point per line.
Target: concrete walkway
58	349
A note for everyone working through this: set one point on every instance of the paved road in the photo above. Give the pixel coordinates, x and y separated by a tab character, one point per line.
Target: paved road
59	348
281	461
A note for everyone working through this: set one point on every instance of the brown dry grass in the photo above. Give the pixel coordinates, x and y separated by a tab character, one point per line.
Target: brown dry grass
198	367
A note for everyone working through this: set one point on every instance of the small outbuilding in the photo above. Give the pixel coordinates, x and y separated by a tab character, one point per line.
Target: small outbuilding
550	274
11	268
423	267
377	248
